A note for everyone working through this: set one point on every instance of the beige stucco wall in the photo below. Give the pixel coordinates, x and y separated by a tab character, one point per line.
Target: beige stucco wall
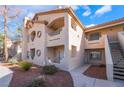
24	44
95	62
38	44
95	44
75	38
68	37
51	17
56	40
110	31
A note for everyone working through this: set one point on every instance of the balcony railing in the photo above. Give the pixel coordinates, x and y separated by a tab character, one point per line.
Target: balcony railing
55	38
94	43
55	32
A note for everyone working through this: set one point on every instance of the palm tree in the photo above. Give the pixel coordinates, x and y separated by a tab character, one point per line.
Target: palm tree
5	13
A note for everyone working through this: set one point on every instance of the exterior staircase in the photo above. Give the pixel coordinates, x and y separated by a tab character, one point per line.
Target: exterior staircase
118	60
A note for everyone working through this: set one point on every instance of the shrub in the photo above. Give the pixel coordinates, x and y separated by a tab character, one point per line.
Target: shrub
37	83
25	65
50	69
13	61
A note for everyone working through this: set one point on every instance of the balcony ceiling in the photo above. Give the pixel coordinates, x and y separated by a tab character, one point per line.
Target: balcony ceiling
57	23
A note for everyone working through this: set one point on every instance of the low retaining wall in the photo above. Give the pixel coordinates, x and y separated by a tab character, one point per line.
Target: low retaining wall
109	61
5	76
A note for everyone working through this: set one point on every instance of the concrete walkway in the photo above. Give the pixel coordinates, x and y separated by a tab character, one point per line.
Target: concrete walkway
5	76
81	80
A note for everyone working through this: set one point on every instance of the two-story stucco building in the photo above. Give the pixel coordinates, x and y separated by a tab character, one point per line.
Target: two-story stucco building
58	37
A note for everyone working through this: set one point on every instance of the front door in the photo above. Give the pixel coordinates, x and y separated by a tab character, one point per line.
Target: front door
59	54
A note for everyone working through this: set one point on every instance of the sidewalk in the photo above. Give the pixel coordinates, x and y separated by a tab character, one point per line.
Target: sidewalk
81	80
5	76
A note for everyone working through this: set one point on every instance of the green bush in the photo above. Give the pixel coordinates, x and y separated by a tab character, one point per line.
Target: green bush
51	69
13	61
37	83
25	65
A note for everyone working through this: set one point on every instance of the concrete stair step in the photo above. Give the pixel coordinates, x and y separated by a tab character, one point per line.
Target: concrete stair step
118	69
119	66
113	50
118	60
119	73
116	53
122	58
117	56
119	77
120	63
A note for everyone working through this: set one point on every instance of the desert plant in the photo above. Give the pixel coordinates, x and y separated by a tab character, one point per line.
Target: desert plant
25	65
49	69
37	83
13	61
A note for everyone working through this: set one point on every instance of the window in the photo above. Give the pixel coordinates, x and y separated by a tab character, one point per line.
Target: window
95	55
38	52
74	27
94	36
39	34
33	34
73	51
73	24
28	54
32	51
36	18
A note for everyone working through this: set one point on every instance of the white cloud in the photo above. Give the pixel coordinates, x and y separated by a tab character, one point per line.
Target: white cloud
103	10
90	25
87	11
30	15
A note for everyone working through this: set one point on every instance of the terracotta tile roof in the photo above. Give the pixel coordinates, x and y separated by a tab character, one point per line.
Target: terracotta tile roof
104	25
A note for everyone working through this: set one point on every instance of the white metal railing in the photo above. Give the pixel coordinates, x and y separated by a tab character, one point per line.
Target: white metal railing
109	61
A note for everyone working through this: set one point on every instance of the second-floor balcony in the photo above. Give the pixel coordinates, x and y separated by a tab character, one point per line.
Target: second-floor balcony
92	44
56	37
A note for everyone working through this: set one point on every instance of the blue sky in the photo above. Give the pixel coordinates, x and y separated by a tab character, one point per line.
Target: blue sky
89	15
97	14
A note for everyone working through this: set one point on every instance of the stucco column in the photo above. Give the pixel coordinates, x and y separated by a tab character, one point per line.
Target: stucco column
24	44
67	22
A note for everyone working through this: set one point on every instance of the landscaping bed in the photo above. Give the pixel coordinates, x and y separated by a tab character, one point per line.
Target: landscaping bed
98	72
23	78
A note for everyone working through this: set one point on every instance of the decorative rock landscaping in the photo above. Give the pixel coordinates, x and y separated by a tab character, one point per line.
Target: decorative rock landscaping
23	78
